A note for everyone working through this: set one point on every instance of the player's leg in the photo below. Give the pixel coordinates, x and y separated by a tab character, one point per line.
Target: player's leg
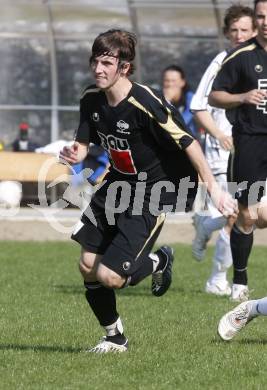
162	273
235	320
249	169
205	225
261	222
125	261
201	238
102	300
159	264
241	244
222	259
128	260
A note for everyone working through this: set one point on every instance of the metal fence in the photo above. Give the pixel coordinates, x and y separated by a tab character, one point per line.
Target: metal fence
45	44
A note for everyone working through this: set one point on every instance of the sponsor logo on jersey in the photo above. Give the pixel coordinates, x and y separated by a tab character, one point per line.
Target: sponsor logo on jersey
126	265
258	68
95	117
262	84
119	152
122	127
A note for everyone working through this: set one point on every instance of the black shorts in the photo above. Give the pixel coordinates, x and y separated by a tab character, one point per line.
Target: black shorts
248	167
124	244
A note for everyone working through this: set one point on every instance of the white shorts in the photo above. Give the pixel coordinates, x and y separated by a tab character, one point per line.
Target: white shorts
203	204
216	156
222	179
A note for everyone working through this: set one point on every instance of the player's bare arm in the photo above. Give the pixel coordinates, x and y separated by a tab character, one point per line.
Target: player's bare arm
226	100
222	200
205	119
75	153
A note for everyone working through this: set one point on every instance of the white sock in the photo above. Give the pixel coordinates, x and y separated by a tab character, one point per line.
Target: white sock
218	276
259	307
222	259
223	253
155	260
212	224
115	328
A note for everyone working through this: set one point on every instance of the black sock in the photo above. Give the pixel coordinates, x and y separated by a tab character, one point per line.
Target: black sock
162	259
102	301
117	338
145	269
241	245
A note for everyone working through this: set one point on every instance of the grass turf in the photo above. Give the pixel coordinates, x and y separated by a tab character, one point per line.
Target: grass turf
45	327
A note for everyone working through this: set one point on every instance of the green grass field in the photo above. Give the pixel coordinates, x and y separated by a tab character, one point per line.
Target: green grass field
45	327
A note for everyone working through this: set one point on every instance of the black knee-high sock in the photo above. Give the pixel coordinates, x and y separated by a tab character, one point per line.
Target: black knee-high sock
145	269
241	245
102	301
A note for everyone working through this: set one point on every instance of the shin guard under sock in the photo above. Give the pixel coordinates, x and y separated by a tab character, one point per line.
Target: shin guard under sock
102	301
142	272
241	244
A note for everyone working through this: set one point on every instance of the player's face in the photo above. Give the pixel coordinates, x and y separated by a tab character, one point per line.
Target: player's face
261	19
172	79
105	71
240	31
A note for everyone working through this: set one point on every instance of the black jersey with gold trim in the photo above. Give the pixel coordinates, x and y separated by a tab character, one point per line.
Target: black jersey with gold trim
245	69
141	134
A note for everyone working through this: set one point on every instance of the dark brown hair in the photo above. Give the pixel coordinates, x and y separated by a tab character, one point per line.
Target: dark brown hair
116	43
258	1
235	12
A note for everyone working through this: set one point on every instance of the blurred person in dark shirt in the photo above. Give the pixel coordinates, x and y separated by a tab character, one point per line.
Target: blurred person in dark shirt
177	92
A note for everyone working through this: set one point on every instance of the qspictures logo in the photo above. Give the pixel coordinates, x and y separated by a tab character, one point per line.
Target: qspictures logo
129	196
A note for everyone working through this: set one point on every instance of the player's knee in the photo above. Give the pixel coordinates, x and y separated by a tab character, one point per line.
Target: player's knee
86	269
262	219
262	214
109	278
245	221
88	265
261	223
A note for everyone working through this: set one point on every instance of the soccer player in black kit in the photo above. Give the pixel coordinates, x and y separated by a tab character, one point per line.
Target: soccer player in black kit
241	88
150	150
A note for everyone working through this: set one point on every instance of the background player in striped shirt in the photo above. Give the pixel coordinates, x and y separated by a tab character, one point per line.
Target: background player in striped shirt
241	88
239	26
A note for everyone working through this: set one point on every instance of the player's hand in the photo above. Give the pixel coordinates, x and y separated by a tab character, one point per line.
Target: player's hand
70	153
228	206
225	203
225	141
256	96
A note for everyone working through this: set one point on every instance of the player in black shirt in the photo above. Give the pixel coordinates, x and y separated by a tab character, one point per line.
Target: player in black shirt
150	150
241	88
